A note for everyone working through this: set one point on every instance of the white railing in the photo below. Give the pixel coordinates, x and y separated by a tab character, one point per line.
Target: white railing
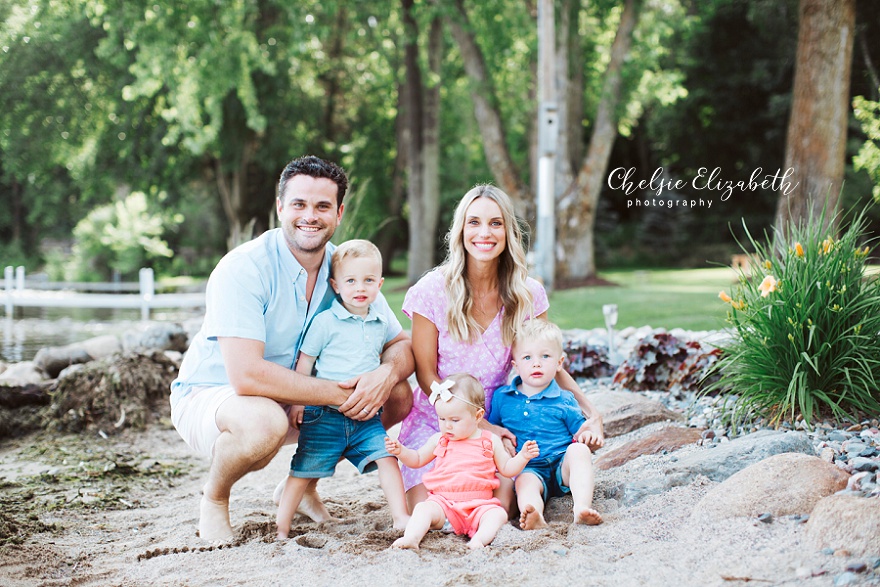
35	293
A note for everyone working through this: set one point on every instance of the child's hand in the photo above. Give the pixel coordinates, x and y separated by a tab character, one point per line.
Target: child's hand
530	450
393	446
296	416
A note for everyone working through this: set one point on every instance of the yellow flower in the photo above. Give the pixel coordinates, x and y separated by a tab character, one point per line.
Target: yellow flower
768	265
827	245
724	297
738	305
798	249
768	286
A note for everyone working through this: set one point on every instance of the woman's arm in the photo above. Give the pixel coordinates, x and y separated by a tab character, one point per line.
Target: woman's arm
425	347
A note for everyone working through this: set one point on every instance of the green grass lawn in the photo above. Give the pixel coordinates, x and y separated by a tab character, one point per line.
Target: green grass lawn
669	298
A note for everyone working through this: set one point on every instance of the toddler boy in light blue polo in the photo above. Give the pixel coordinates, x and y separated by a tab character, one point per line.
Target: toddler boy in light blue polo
343	343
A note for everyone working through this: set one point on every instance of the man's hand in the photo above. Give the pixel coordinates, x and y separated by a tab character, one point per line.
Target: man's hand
370	391
591	434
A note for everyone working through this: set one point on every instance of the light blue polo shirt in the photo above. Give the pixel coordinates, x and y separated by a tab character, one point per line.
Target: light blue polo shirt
550	417
258	291
346	345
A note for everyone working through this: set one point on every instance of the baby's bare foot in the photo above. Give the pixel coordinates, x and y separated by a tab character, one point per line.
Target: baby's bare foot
475	544
401	524
531	519
403	542
587	516
214	525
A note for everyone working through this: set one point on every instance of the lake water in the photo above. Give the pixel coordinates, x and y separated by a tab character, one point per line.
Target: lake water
28	330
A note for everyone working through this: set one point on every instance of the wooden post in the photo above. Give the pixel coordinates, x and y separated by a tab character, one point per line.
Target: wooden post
147	290
545	242
7	285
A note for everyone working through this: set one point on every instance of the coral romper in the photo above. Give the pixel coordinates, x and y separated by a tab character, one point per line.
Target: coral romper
463	479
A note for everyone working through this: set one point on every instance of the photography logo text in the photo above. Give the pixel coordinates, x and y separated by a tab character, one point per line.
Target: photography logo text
710	181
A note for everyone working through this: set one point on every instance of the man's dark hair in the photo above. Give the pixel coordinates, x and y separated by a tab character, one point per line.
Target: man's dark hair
317	168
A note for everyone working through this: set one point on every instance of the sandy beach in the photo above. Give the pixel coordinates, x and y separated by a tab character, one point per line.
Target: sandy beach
123	511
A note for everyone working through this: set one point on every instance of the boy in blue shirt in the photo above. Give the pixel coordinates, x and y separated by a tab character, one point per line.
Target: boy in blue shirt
534	407
343	343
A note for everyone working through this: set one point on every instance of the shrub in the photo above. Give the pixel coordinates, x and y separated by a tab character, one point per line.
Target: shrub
805	328
587	360
661	361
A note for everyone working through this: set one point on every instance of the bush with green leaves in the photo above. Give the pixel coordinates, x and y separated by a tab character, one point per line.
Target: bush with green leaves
805	317
120	237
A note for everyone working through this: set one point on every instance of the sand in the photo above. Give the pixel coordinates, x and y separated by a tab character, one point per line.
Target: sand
127	514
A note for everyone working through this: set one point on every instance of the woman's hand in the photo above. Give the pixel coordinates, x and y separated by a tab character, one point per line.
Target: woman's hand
591	434
508	439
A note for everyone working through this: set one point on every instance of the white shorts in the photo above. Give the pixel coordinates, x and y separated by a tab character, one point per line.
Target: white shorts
194	414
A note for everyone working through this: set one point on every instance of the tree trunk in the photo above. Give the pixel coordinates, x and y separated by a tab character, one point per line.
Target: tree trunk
488	117
816	143
232	187
388	238
431	151
413	101
576	209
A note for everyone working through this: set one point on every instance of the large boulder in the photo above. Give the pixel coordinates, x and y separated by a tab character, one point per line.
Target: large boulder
716	462
158	336
846	522
784	484
625	411
670	438
22	373
53	360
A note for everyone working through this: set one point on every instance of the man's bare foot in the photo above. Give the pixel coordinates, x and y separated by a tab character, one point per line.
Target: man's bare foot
531	519
587	516
310	506
403	542
214	525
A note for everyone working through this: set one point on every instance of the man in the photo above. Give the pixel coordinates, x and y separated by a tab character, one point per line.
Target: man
237	377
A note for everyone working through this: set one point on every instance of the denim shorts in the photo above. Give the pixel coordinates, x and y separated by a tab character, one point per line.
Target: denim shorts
326	436
549	470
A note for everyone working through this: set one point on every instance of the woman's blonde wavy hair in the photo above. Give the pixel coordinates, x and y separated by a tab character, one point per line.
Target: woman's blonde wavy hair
512	271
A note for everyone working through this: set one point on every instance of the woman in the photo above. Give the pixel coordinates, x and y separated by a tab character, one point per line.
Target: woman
465	313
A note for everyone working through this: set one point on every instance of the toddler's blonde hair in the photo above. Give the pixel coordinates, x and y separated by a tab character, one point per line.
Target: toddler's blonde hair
540	330
353	249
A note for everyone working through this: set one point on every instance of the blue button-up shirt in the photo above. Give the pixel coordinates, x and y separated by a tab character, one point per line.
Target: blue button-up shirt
550	417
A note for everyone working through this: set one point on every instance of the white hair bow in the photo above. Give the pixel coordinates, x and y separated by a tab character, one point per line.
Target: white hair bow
440	391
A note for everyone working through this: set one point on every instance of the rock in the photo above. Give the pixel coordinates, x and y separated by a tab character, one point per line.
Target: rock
765	518
625	411
847	522
781	485
827	454
55	359
857	567
102	346
669	439
3	367
846	578
156	336
717	463
22	374
864	464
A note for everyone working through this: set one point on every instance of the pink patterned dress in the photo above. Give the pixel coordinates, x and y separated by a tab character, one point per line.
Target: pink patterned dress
487	359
